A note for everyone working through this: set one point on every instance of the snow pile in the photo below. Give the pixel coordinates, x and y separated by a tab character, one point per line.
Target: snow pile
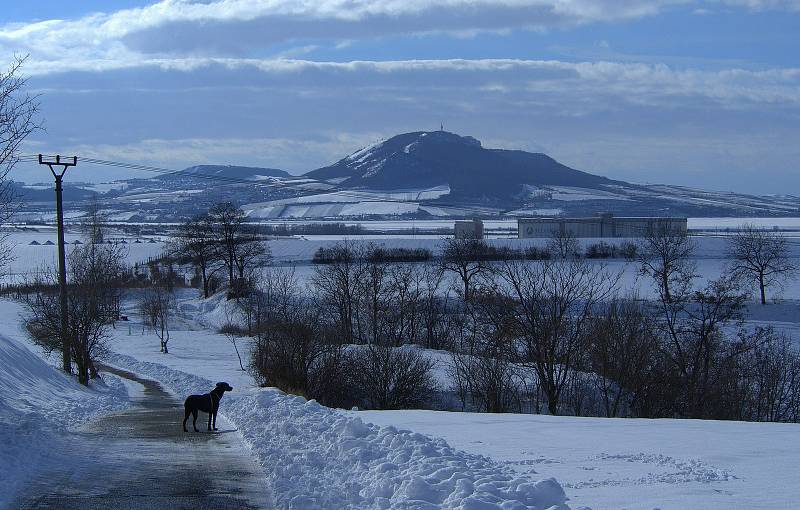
37	405
320	458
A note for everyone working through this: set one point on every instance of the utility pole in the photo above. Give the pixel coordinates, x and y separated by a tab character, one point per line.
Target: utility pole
62	266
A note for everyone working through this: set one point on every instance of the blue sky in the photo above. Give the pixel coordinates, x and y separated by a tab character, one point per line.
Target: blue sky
703	93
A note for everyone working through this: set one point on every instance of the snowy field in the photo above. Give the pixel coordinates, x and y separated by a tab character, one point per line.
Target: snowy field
606	463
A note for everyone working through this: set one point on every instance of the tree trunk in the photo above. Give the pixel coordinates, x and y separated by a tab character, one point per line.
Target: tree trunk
205	281
763	289
552	405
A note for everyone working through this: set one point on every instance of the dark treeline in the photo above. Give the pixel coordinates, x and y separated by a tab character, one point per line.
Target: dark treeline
370	252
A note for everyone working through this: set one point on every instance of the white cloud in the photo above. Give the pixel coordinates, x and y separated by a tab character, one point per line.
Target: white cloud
635	82
182	34
762	5
237	27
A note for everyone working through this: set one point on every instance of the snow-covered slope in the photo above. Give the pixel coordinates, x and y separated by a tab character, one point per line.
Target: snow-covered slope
37	404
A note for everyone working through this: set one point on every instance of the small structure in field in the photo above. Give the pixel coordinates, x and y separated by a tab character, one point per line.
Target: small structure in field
600	225
469	229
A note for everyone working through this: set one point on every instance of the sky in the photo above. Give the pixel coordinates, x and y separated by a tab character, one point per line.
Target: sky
702	93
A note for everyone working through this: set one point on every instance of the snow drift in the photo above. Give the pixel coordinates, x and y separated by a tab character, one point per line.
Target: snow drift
321	458
37	405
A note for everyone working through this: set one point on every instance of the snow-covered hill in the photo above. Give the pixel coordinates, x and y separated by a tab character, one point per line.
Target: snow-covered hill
473	173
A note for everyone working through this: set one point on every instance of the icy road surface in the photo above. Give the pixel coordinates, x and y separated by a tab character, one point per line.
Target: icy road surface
141	459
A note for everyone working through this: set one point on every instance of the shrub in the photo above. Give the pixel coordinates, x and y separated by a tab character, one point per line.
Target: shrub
387	378
628	250
296	355
232	329
381	254
601	250
536	253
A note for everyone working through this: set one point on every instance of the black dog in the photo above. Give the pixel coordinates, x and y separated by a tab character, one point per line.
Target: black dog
208	403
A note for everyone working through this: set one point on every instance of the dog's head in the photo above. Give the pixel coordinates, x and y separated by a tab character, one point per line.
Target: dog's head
223	387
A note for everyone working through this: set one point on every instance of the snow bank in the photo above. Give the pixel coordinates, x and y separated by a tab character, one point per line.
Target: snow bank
37	405
320	458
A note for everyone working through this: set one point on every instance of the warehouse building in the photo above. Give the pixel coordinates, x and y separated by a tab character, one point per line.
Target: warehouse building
601	225
469	229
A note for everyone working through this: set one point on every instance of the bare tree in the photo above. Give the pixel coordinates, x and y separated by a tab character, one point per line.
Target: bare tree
281	290
563	244
761	257
300	354
372	296
232	333
18	119
252	252
552	304
195	242
664	255
94	221
339	286
433	308
390	378
623	345
403	318
157	308
772	379
96	273
239	245
483	363
466	257
694	339
227	220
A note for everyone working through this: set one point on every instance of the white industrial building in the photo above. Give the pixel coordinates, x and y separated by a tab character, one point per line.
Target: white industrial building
601	225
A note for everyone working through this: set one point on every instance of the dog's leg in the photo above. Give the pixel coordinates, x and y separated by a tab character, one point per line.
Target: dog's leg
214	427
210	414
194	420
186	413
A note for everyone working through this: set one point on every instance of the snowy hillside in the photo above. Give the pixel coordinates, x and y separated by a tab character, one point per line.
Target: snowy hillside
38	404
472	172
